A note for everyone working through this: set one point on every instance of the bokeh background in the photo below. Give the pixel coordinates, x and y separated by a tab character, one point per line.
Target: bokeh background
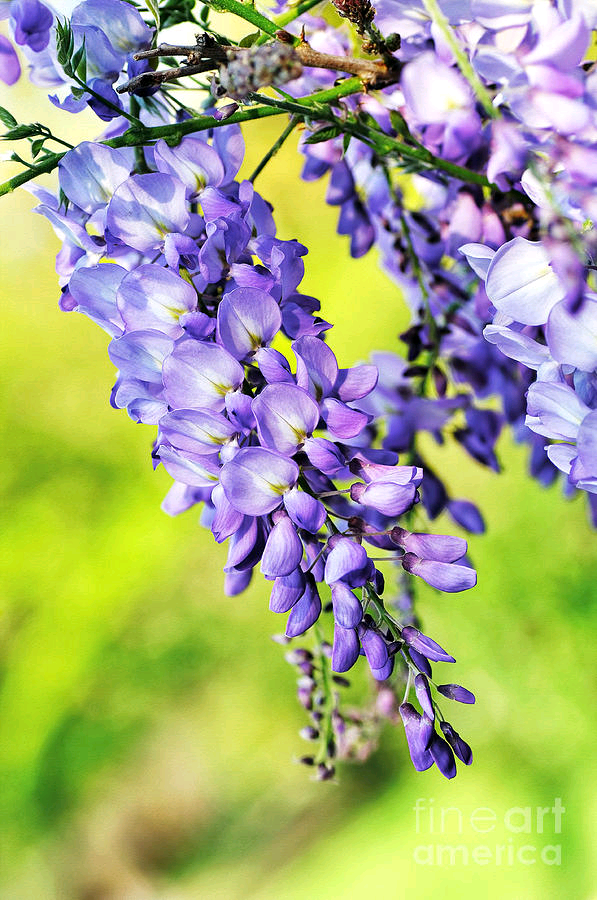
148	724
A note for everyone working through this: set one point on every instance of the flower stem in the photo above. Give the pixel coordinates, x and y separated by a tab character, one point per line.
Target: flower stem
380	141
247	12
464	63
292	14
316	105
274	148
327	730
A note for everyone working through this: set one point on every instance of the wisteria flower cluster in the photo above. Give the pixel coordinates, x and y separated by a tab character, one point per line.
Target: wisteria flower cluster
461	144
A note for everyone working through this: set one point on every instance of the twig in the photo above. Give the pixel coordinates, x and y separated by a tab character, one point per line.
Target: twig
206	55
150	79
372	73
274	148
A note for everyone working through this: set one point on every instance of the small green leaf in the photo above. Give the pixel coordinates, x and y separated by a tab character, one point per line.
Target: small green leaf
154	9
20	132
173	12
64	201
16	158
398	124
79	62
37	147
249	39
367	119
346	143
65	45
7	118
324	134
411	167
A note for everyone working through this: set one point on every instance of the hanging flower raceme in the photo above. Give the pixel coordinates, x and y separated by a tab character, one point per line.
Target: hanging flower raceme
182	267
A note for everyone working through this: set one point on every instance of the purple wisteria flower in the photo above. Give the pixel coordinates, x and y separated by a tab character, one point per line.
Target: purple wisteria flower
182	267
482	210
10	67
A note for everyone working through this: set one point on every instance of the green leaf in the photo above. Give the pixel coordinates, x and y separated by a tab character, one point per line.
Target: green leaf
324	134
173	12
37	147
7	118
398	124
154	9
79	62
65	45
250	39
64	201
367	119
411	167
16	158
20	132
346	143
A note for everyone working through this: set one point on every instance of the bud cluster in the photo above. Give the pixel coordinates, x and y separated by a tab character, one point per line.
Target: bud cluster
360	12
255	68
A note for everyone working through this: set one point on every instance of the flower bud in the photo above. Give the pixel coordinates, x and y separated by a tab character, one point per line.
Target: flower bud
359	12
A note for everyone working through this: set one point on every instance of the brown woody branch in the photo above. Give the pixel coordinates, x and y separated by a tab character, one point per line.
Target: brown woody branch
207	55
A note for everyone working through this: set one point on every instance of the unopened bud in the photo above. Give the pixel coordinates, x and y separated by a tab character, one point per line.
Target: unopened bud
284	36
308	733
307	760
298	655
324	773
359	12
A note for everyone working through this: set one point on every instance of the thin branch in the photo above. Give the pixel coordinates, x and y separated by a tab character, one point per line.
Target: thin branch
47	164
151	79
274	148
205	48
371	73
206	55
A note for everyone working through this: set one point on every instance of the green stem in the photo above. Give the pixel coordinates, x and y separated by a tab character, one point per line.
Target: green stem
464	63
293	14
319	102
274	148
106	102
47	164
52	137
434	332
289	16
140	162
247	12
327	731
381	142
175	132
268	26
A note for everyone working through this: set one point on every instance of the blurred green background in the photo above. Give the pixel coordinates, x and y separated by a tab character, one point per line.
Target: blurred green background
148	724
